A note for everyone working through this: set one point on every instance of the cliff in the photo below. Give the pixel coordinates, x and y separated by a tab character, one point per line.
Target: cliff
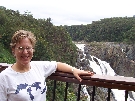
120	56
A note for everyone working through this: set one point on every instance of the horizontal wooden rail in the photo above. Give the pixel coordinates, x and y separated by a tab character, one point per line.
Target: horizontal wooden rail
106	81
3	66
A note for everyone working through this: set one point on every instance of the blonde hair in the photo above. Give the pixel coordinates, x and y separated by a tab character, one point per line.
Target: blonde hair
20	34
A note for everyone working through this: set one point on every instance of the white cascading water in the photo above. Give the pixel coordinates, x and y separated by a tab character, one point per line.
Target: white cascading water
103	69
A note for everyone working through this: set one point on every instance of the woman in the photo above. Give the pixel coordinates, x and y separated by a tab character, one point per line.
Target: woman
25	79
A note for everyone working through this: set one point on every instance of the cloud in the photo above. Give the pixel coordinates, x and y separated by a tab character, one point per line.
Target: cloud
72	12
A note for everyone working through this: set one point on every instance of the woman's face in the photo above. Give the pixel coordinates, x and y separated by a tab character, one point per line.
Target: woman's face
23	51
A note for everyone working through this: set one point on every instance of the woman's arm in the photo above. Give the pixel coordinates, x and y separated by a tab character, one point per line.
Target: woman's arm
77	72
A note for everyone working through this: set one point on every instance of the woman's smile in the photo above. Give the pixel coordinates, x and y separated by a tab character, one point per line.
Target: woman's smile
23	51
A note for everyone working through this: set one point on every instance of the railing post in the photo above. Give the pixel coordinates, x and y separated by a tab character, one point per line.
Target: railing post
54	88
126	95
93	93
78	95
109	91
66	91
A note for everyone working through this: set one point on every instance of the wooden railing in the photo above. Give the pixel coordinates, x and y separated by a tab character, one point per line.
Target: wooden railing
106	81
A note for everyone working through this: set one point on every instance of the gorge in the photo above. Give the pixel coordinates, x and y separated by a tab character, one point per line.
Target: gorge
107	59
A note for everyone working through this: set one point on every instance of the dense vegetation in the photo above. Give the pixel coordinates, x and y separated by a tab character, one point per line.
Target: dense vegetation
117	29
53	42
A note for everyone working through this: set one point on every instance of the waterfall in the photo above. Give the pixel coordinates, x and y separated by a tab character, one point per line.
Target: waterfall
103	68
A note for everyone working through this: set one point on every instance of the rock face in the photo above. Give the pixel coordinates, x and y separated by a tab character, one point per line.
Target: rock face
120	56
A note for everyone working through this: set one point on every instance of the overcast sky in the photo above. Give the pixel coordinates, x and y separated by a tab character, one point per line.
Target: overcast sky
73	12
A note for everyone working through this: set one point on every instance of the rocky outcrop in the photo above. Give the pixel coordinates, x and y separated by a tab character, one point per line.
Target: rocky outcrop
120	56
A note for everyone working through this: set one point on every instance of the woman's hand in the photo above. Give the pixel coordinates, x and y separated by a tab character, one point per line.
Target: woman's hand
78	72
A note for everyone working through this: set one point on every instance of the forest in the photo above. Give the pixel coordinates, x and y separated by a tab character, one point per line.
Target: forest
53	42
116	29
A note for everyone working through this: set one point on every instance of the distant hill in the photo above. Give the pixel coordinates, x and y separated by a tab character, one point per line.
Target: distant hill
117	29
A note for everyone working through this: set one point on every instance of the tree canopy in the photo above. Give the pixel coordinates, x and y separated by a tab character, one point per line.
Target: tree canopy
53	42
116	29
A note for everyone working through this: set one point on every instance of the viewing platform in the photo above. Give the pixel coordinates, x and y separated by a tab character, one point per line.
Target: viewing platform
105	81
